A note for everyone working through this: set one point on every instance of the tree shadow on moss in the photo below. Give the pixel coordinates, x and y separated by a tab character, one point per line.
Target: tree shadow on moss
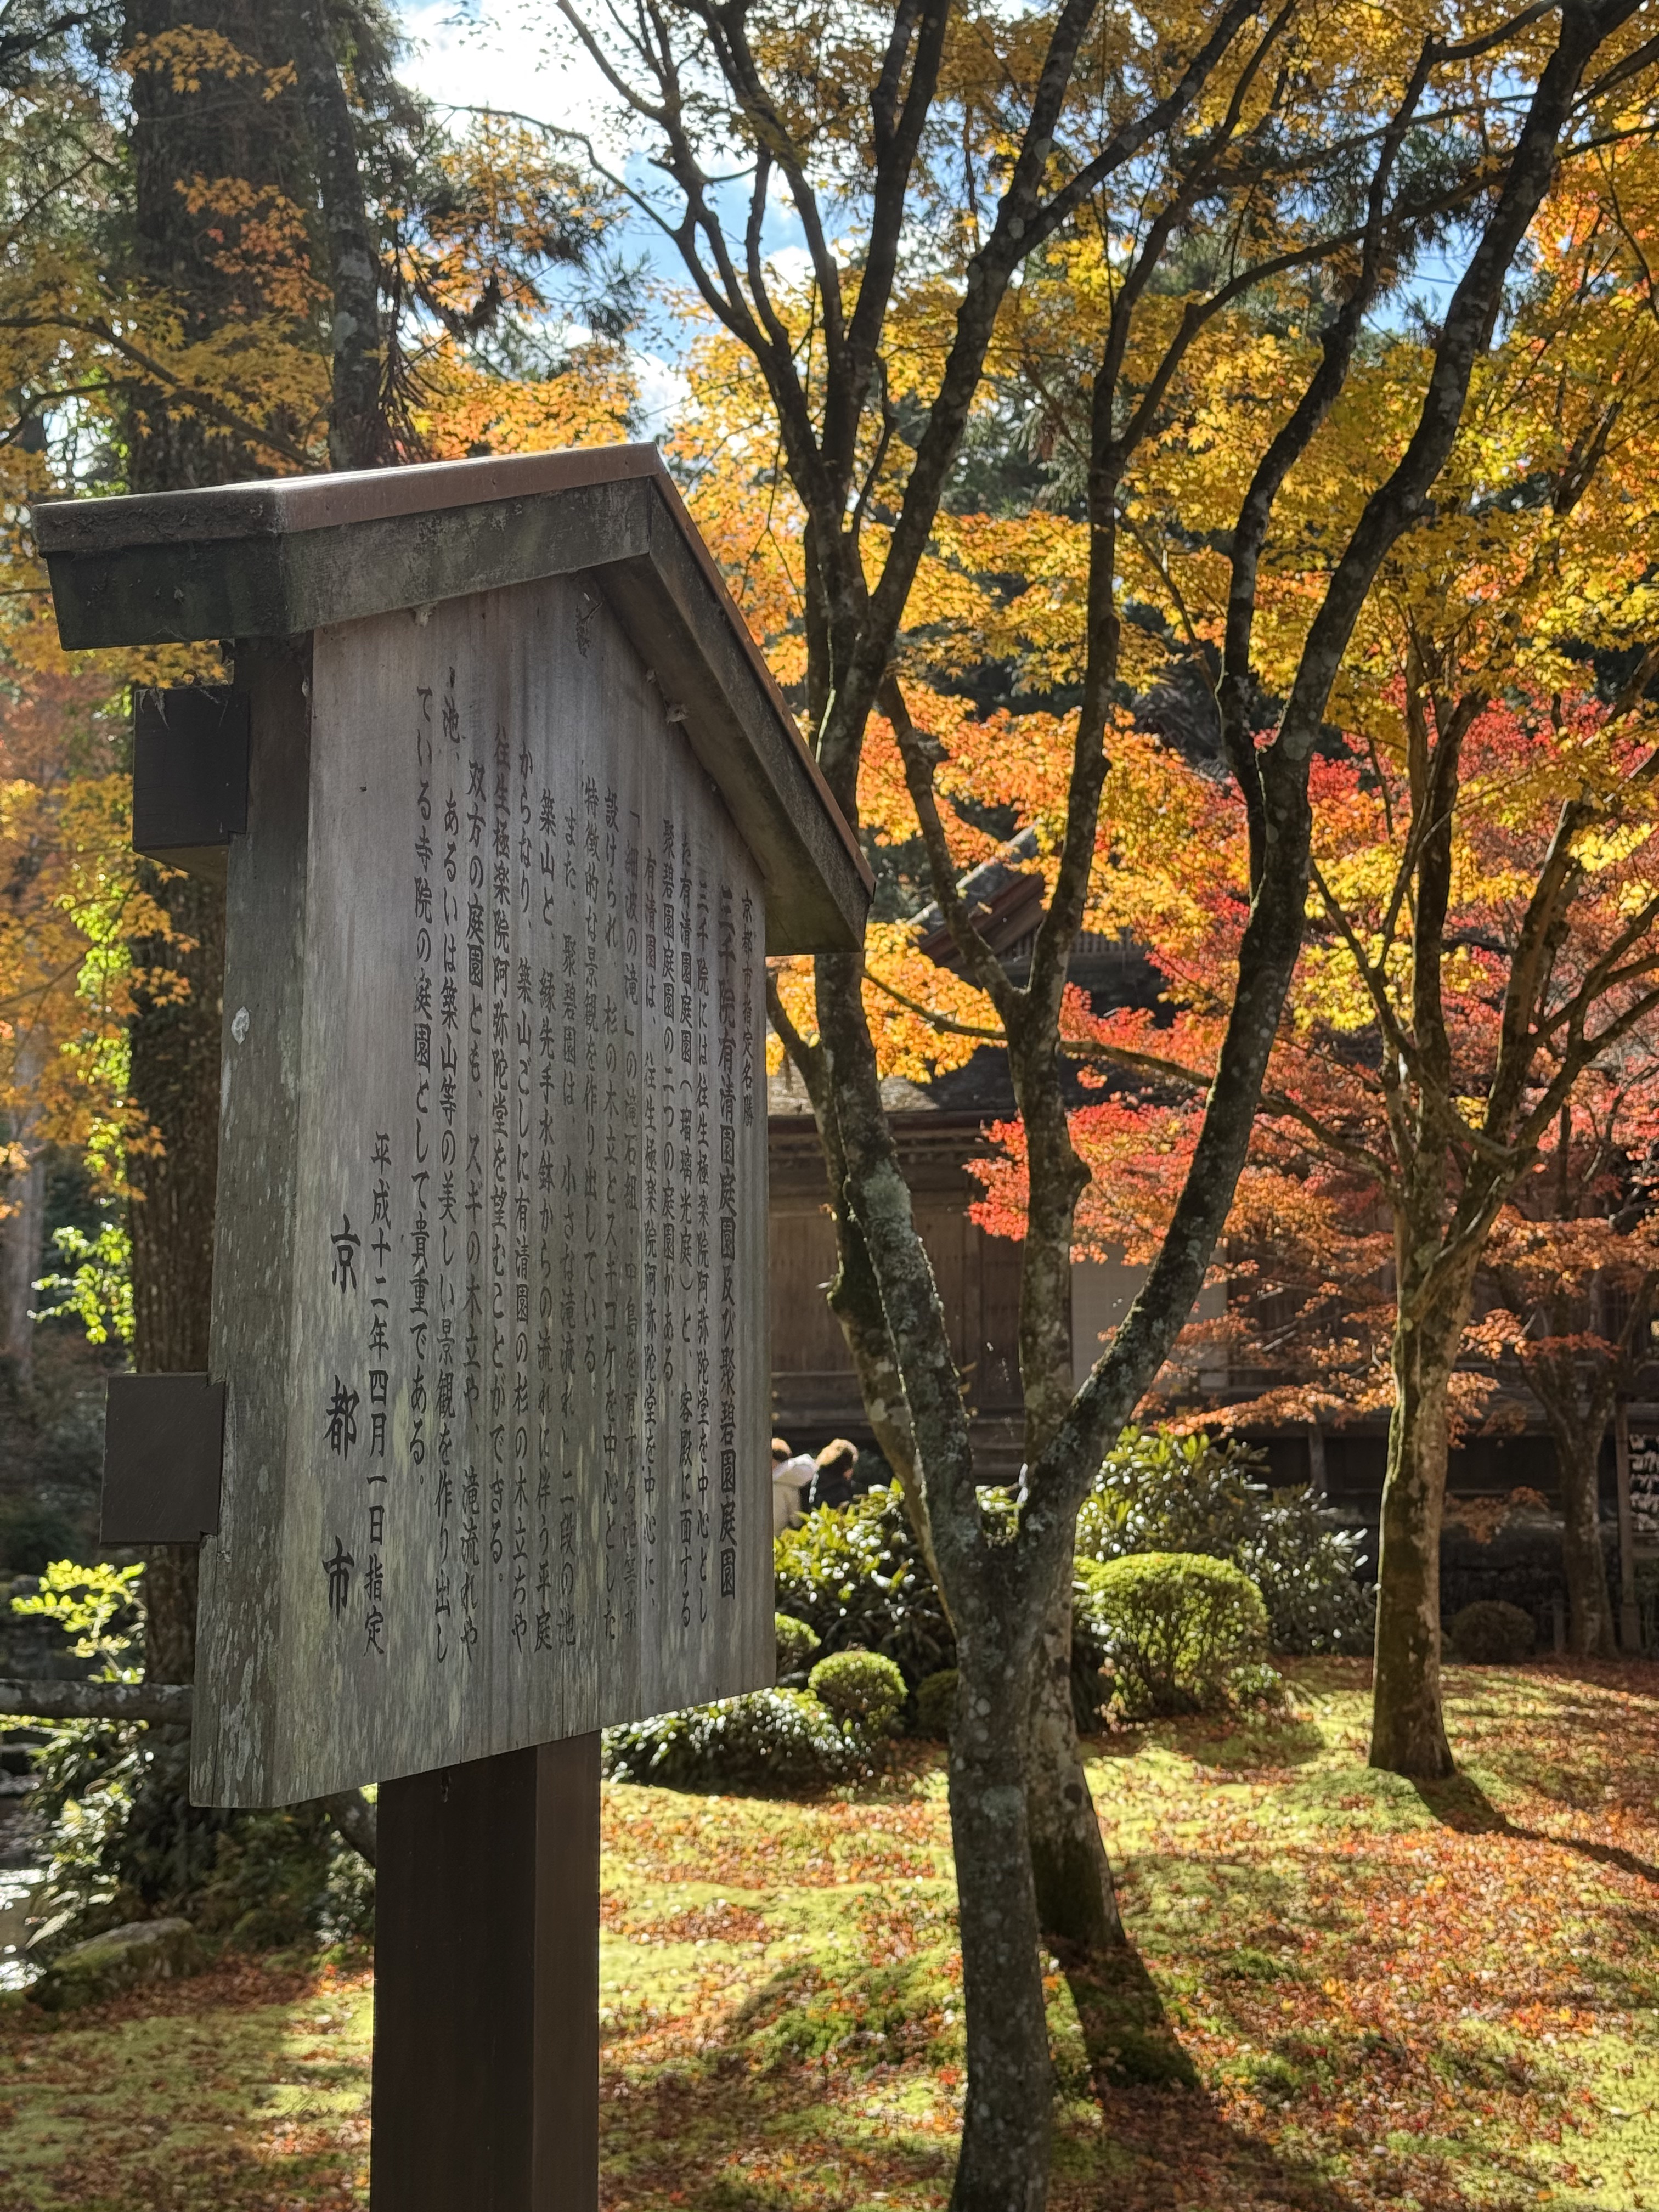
1170	2149
786	2079
1230	1742
1164	2132
1459	1803
1127	2033
119	2106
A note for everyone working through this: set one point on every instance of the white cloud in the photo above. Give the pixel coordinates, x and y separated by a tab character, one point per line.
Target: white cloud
509	60
664	393
793	265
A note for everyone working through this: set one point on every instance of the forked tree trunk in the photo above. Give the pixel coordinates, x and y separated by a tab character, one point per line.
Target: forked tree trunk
1004	2162
1077	1905
1076	1901
1408	1730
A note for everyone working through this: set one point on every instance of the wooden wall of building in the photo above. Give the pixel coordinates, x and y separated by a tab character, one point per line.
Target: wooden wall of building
815	1392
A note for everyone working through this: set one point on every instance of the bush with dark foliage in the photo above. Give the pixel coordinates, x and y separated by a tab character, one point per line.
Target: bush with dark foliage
1491	1633
770	1740
936	1704
1157	1493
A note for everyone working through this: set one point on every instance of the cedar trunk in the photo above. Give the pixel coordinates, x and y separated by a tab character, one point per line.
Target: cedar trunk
175	1086
226	128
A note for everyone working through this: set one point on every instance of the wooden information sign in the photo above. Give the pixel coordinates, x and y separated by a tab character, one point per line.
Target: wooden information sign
521	817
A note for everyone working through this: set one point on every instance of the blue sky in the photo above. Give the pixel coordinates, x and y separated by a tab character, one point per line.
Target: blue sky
511	56
516	54
504	61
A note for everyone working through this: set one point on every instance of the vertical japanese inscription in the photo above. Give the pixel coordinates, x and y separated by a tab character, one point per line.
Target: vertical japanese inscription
727	1262
450	1230
419	1315
540	1394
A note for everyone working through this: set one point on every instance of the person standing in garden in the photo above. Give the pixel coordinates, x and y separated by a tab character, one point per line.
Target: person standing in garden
791	1472
832	1477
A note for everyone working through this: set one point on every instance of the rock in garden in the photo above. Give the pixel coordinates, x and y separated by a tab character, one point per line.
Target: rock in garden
120	1959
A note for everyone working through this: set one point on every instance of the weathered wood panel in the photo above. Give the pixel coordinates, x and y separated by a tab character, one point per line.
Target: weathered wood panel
489	1281
978	1276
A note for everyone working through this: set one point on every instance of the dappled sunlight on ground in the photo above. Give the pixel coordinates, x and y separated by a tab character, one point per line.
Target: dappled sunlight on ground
1351	1993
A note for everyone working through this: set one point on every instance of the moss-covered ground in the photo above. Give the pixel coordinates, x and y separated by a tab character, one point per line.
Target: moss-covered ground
1351	1992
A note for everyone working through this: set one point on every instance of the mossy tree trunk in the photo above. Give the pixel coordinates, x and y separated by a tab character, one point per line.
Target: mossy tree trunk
1578	1395
1590	1631
1578	1371
1409	1732
1076	1901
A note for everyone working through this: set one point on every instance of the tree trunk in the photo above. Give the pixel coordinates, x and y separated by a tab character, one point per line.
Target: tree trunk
227	128
1408	1734
1578	1455
1004	2162
1076	1902
357	432
19	1259
175	1082
1003	2165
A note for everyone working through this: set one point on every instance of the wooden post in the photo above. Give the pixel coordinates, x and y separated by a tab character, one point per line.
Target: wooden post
1630	1620
487	1986
540	647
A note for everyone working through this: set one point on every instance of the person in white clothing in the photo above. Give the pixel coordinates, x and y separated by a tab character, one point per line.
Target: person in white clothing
790	1476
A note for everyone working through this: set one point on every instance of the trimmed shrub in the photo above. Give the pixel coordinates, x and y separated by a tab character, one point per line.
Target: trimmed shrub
853	1573
796	1644
770	1740
1174	1627
1491	1633
864	1691
1258	1684
936	1704
1157	1493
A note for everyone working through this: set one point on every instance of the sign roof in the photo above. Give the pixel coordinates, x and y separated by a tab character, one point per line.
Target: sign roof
279	557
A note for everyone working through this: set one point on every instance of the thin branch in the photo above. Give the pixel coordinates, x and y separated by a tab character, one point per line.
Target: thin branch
188	394
918	755
98	1701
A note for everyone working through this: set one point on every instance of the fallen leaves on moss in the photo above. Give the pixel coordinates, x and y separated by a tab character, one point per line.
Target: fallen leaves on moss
1348	1993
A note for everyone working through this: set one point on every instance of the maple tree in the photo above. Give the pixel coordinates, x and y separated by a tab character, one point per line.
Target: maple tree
1479	959
1172	197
